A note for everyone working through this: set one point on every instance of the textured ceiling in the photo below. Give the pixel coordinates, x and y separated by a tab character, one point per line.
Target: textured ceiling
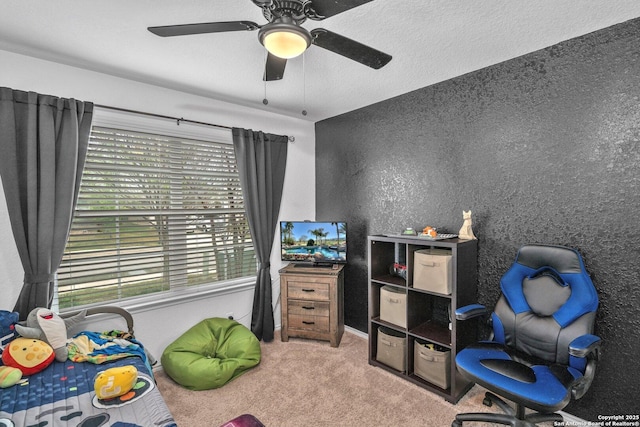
430	41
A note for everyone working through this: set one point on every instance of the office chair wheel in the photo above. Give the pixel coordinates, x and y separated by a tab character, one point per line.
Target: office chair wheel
487	402
456	423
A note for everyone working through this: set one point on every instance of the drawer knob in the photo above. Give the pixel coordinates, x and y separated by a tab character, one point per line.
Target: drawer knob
308	290
308	323
306	307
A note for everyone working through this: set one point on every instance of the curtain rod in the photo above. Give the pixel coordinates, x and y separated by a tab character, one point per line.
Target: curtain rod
177	119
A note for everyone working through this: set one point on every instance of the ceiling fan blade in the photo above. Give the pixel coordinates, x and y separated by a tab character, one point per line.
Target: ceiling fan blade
328	8
274	69
203	28
350	48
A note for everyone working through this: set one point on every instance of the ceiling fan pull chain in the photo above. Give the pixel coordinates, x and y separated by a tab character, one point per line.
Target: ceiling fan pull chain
304	85
265	101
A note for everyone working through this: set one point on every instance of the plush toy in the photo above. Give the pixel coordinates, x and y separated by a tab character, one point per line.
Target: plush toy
9	376
7	327
115	382
29	355
45	325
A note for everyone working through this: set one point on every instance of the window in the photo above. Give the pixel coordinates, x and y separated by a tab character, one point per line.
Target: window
156	212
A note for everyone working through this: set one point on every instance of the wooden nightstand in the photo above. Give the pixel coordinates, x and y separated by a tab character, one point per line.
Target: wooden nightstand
312	300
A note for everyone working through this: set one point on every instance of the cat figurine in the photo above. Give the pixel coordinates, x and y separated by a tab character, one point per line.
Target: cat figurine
466	232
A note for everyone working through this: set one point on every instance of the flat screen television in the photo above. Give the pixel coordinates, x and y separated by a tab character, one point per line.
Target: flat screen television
313	242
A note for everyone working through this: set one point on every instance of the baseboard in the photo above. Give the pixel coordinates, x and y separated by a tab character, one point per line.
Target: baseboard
356	332
572	420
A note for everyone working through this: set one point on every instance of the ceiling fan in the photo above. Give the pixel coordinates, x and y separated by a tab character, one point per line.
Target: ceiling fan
285	38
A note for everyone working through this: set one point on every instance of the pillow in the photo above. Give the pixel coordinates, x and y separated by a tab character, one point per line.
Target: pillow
29	355
114	382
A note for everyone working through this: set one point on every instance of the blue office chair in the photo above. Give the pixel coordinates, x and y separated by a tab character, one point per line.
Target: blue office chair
543	352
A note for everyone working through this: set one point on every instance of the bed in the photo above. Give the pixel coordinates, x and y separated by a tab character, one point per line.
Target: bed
63	393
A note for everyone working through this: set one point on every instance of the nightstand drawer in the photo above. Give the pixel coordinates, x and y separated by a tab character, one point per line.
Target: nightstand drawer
308	291
308	308
309	323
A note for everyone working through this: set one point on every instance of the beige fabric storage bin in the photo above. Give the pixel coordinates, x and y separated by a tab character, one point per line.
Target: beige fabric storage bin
393	306
432	365
391	348
432	270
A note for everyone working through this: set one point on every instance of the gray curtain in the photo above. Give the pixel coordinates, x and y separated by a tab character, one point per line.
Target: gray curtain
43	147
262	160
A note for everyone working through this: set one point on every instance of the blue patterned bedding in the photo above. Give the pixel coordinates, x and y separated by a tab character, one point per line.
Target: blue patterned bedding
63	394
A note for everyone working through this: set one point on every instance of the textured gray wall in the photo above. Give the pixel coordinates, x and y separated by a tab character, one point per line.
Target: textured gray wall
543	148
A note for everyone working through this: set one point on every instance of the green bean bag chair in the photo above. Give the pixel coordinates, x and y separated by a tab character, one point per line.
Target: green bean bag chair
210	354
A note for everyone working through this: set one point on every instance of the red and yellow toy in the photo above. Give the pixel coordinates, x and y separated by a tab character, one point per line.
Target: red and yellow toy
29	355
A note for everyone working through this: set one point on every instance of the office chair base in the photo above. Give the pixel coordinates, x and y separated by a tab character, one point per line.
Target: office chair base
511	417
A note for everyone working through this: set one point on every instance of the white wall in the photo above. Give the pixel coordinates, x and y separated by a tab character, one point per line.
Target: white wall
158	327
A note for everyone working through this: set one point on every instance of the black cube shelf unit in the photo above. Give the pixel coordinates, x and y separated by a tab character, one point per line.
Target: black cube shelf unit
424	309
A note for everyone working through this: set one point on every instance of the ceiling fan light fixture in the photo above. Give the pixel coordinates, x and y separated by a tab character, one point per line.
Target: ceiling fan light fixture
284	40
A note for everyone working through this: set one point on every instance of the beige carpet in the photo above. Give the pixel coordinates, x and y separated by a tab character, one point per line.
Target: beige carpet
308	383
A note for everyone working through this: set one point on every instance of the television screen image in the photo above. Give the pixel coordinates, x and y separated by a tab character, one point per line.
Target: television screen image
313	242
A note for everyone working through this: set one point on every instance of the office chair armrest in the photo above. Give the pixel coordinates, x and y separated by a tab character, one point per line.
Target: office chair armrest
585	345
586	348
471	311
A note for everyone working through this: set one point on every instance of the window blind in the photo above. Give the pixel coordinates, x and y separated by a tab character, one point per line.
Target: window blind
155	213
